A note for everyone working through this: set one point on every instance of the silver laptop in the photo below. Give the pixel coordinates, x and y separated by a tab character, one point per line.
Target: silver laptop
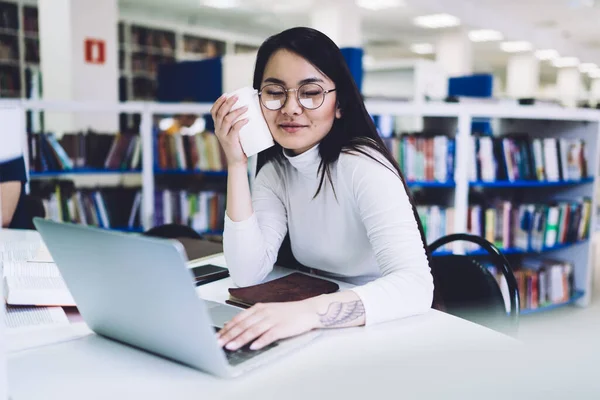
139	291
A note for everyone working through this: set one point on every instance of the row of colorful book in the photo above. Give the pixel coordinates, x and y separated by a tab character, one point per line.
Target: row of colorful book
84	150
531	226
518	157
202	210
112	208
541	282
437	222
424	157
174	151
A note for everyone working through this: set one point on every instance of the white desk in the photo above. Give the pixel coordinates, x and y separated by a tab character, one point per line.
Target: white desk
349	363
431	356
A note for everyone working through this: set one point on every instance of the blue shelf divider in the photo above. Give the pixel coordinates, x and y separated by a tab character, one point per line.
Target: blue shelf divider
441	253
431	184
189	172
82	171
574	297
210	232
517	184
521	251
129	230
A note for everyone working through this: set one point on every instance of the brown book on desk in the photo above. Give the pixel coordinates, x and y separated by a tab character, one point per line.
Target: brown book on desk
293	287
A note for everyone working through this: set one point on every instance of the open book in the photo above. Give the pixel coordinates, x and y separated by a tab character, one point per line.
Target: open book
38	284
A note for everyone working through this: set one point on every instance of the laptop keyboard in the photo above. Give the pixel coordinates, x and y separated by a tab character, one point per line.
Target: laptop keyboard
244	353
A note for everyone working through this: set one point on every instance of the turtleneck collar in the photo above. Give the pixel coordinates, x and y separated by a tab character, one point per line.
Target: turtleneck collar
306	163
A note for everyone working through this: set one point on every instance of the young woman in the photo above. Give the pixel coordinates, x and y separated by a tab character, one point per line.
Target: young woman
330	183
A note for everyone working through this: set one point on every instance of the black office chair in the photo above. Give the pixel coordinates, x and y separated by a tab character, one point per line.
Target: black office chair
467	288
173	231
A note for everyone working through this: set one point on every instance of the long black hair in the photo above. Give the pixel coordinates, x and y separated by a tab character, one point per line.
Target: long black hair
355	131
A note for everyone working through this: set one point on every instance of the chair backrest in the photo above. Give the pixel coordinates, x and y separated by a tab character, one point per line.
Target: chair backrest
173	231
468	289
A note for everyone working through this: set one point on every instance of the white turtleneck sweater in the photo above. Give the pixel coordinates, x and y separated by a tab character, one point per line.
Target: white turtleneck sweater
367	237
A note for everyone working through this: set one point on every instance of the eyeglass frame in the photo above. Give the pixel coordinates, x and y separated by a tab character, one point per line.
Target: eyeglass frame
325	92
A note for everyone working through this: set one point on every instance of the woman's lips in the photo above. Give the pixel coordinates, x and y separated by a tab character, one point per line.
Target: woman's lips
291	128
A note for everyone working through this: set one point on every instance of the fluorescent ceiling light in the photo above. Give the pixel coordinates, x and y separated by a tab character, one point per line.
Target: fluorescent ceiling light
547	54
221	3
376	5
485	35
422	48
587	67
368	60
436	21
516	47
595	74
565	62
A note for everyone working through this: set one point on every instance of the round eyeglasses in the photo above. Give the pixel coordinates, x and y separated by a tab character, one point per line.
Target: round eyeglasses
310	96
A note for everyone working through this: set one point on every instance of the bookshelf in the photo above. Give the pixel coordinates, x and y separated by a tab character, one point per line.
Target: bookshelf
453	120
19	50
146	44
535	123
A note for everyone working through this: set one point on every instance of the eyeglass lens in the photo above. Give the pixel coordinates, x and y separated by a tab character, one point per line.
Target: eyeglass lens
310	96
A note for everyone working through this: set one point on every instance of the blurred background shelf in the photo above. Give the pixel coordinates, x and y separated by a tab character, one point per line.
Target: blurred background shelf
513	251
575	297
430	184
532	184
189	172
82	171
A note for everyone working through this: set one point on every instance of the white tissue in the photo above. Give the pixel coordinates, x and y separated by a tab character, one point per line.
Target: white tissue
255	136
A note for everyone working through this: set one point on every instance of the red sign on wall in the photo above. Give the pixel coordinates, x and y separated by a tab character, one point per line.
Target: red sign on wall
94	51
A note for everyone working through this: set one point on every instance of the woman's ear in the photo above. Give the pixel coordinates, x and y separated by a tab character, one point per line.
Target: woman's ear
338	111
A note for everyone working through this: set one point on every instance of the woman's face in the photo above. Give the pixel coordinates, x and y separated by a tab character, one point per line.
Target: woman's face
294	127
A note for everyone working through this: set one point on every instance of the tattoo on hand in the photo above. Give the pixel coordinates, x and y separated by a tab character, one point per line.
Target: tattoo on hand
342	313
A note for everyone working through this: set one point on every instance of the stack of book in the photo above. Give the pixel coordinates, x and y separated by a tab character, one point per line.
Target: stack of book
203	210
541	282
531	227
190	152
84	150
114	208
518	157
424	157
437	222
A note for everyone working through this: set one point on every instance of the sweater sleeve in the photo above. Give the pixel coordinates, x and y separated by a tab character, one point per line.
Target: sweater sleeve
251	246
406	285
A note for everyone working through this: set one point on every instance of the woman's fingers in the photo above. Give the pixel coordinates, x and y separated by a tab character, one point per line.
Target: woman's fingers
249	330
217	105
235	129
225	109
228	121
267	337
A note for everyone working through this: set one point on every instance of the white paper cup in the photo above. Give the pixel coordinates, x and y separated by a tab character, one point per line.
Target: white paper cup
255	136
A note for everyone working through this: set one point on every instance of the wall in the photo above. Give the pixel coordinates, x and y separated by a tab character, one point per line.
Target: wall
64	27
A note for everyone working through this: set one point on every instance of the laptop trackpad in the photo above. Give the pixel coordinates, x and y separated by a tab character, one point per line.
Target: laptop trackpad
221	313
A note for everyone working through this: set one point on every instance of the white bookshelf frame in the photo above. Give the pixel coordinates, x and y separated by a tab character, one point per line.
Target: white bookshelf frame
461	114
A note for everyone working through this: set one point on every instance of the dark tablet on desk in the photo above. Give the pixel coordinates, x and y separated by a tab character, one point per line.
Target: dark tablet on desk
208	273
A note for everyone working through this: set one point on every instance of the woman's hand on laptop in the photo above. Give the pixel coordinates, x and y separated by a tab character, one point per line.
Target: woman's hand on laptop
266	323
